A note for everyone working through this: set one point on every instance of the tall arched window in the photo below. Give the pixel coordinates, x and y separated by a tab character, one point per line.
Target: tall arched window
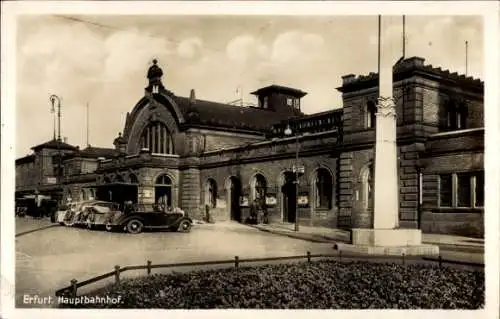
367	179
211	193
260	188
323	189
157	139
163	191
370	117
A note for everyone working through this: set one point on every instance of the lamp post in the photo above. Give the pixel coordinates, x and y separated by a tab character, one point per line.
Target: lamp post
288	132
53	99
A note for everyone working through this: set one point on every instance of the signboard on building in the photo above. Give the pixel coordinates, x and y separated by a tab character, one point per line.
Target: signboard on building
298	169
244	201
271	200
51	180
303	200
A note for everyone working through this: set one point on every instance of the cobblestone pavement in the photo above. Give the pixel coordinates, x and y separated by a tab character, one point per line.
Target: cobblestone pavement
47	260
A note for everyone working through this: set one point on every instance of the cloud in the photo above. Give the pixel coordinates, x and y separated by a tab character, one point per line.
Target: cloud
243	48
441	41
189	47
296	46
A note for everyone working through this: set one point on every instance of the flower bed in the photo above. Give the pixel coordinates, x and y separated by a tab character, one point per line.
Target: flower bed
320	285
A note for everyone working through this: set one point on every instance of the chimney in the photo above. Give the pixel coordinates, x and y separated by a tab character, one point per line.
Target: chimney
192	96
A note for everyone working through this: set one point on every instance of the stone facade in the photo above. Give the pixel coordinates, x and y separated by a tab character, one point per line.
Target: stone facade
203	154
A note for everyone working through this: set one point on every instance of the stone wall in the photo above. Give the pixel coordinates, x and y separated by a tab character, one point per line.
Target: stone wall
272	171
451	153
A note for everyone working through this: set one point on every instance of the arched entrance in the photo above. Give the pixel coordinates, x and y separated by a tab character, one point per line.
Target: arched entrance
233	198
289	197
163	191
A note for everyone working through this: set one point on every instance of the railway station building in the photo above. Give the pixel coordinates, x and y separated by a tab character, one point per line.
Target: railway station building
193	153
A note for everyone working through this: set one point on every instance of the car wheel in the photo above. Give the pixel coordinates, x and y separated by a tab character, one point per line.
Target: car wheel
109	227
134	226
185	226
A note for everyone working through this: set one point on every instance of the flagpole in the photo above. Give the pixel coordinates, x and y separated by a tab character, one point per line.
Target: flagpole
404	37
379	38
87	116
466	57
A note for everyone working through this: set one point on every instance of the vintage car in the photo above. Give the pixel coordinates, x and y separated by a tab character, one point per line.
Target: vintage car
99	213
134	219
77	212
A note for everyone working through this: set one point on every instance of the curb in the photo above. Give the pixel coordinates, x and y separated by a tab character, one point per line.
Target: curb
35	230
328	240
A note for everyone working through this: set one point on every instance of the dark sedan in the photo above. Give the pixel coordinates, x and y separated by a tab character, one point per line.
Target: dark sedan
135	219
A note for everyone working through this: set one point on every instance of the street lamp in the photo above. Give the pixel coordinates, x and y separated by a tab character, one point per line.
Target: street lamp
288	132
53	99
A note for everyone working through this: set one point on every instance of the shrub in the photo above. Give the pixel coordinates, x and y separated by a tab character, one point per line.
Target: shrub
320	285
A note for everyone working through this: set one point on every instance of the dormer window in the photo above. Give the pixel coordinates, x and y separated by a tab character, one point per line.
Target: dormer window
265	103
296	104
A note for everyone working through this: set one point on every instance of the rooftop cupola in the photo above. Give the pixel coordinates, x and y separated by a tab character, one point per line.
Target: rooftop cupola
280	99
154	76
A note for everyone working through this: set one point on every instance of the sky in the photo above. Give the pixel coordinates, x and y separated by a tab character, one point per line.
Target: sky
103	60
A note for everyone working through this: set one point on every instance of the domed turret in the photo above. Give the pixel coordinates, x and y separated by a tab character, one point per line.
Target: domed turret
155	71
154	76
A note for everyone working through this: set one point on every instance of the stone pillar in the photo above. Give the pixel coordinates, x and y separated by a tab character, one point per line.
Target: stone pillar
385	238
386	192
190	188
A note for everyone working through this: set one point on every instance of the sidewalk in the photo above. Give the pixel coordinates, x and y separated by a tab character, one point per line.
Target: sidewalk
329	235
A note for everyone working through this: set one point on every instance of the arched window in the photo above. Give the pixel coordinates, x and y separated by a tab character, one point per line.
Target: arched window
367	176
163	180
133	179
323	189
259	188
92	194
211	193
370	117
163	191
83	195
157	139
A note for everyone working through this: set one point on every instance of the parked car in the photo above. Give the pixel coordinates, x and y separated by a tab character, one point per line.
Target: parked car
60	214
137	218
77	213
99	213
